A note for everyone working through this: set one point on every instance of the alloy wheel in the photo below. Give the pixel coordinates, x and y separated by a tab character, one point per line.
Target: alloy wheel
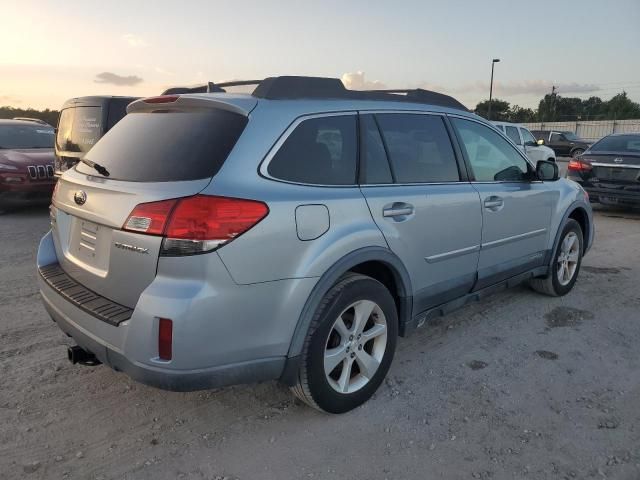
568	258
355	346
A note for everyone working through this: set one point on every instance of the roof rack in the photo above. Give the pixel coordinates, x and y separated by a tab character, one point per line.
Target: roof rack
289	87
296	87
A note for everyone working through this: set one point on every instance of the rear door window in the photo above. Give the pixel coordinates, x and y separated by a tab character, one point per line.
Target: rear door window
320	151
169	146
419	148
512	133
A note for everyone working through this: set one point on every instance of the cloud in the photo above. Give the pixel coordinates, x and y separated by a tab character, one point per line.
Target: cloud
135	41
357	81
119	80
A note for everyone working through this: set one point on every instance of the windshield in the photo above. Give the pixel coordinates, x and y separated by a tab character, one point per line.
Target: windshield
618	143
570	136
25	136
169	146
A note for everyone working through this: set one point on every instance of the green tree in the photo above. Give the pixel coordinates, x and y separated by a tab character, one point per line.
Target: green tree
521	115
621	107
499	109
49	116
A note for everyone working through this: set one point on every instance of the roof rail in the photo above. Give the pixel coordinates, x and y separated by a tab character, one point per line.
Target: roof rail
295	87
32	120
421	95
210	87
289	87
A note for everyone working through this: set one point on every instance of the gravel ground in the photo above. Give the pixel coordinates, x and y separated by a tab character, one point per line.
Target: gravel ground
519	386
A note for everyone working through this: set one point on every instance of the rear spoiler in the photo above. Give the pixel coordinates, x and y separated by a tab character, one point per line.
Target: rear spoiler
242	105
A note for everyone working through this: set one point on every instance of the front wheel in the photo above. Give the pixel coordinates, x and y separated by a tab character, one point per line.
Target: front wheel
566	263
577	152
349	346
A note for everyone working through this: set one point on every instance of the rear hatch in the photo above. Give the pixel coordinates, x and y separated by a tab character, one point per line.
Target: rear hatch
615	169
154	154
79	128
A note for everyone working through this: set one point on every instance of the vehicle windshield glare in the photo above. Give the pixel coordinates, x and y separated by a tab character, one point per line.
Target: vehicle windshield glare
570	136
26	136
618	143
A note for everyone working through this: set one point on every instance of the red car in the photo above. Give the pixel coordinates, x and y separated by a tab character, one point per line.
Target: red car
26	162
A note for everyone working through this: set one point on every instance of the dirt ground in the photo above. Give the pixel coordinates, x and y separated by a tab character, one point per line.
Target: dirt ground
519	386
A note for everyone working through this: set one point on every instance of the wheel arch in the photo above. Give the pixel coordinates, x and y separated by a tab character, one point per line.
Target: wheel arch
573	150
377	262
577	212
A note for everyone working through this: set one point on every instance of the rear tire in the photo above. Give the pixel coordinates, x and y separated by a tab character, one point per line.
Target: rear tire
577	152
565	266
349	346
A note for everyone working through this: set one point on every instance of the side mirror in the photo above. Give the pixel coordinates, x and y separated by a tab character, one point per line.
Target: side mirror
547	171
540	142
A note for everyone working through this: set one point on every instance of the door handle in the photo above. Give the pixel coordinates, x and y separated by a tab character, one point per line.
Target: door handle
493	203
398	209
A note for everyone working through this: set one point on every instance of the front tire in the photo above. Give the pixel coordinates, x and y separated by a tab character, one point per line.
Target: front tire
566	263
349	346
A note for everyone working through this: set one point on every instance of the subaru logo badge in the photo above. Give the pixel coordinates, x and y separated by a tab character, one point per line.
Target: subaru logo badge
80	197
618	160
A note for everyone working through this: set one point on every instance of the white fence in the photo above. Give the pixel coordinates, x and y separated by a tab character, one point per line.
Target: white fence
591	130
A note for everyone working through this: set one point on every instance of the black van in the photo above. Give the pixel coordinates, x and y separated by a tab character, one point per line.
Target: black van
82	122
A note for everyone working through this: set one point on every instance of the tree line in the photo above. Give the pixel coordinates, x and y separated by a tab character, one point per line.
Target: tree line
552	108
49	116
556	108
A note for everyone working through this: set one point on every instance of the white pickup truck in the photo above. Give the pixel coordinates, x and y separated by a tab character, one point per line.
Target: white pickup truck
524	139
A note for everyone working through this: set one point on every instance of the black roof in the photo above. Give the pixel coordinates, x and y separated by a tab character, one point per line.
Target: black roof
295	87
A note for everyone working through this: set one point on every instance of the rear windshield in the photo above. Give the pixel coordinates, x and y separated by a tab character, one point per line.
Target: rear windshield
167	146
25	136
79	128
618	143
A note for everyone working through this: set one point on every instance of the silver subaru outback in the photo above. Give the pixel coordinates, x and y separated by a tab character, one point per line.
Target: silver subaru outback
294	233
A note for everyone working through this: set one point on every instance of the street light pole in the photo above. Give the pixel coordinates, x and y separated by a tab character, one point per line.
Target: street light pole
493	62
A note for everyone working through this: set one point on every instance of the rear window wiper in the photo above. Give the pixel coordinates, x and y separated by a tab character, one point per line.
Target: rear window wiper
96	166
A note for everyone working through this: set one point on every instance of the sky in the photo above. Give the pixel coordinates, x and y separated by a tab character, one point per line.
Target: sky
54	50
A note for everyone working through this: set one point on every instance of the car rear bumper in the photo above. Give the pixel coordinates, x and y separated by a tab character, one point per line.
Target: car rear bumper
165	378
607	196
223	333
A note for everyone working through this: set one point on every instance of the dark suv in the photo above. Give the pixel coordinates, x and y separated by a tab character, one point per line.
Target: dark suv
565	144
82	122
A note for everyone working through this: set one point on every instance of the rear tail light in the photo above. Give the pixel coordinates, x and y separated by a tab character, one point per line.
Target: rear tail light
150	218
161	99
165	339
577	165
196	224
